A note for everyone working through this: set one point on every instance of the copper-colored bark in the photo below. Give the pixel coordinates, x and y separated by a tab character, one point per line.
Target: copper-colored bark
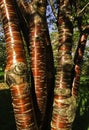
38	53
78	62
64	104
38	61
79	51
16	69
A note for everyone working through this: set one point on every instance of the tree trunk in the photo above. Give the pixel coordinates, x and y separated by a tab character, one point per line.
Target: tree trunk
84	31
38	55
64	104
16	69
78	62
23	19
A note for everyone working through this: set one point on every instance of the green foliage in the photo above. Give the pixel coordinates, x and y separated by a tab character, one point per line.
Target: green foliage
82	116
54	42
2	60
2	55
7	121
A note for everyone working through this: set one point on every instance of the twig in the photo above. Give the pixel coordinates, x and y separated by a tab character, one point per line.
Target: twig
83	9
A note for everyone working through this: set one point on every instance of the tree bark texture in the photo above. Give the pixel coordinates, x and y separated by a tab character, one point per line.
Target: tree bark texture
84	31
64	104
34	17
33	105
38	53
78	62
16	69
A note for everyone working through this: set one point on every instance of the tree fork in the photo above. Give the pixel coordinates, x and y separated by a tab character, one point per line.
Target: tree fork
27	8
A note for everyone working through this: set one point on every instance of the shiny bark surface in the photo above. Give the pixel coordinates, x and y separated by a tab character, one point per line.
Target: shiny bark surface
16	69
64	104
38	53
26	19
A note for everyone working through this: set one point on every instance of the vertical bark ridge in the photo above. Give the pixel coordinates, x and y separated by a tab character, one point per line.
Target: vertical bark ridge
38	53
16	68
64	104
78	62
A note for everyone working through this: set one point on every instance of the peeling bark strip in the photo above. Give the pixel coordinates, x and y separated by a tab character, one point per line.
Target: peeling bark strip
16	69
64	104
78	62
38	52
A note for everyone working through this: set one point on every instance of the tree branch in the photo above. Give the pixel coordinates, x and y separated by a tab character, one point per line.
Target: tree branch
83	9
